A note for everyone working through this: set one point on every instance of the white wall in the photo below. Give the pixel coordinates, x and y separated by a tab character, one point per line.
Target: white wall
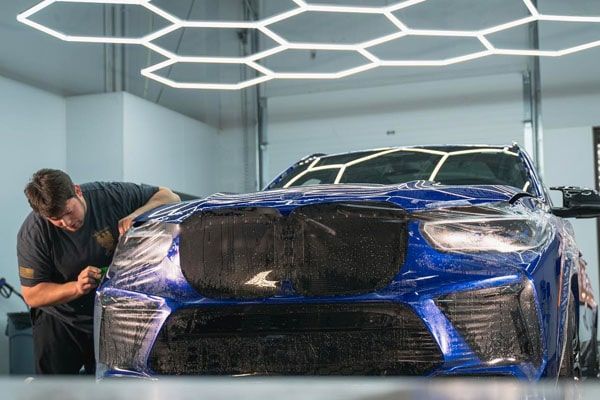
162	147
95	137
573	165
234	175
476	110
562	109
32	136
237	142
118	136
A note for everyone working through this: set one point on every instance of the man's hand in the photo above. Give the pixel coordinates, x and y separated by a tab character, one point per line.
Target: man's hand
162	196
48	293
125	223
87	280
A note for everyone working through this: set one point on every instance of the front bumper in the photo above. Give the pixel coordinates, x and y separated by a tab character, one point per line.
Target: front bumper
377	334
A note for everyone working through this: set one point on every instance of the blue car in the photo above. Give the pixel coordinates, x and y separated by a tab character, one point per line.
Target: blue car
425	260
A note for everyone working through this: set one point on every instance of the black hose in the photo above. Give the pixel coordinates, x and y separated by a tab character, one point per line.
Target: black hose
6	290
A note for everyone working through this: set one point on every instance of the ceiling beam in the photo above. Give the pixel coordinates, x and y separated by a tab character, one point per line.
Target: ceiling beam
532	101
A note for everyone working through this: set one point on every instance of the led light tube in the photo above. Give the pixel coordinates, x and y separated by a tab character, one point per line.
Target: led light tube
300	7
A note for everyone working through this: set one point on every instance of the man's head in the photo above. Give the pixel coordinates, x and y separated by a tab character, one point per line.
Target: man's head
52	194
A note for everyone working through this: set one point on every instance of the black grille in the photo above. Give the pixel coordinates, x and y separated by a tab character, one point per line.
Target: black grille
325	249
223	250
500	324
321	339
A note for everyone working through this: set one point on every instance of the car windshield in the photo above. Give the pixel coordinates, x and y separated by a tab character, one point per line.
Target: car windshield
387	167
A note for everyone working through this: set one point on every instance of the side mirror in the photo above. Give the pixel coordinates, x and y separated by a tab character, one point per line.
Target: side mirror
578	203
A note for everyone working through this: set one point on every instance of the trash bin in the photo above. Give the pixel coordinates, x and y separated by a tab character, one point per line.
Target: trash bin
20	344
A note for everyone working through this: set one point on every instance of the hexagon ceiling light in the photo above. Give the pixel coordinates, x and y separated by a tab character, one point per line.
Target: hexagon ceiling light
364	49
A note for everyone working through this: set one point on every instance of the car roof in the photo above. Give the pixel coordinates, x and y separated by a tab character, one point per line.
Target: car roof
448	148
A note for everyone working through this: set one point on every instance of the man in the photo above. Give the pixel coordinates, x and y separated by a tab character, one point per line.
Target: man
62	244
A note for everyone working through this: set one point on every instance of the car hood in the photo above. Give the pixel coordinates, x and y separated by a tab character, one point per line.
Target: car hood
411	196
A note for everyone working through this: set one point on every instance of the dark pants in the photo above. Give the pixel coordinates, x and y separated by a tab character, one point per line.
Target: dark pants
59	348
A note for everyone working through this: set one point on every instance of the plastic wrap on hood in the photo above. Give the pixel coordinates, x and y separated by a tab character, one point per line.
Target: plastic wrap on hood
147	260
142	246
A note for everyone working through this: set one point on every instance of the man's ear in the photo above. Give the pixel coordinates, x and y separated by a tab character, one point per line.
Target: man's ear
78	191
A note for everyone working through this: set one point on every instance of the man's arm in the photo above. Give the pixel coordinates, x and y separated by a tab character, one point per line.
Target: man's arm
48	293
163	196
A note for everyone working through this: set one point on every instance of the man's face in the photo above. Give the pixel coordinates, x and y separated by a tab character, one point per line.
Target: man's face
73	213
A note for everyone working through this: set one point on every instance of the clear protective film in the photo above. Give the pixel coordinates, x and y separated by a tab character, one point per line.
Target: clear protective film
342	287
126	319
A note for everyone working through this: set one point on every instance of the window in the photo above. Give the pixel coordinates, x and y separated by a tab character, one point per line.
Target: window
393	168
457	166
318	177
483	169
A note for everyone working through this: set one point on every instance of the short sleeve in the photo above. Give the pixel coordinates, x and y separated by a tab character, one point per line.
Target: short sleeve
133	195
33	254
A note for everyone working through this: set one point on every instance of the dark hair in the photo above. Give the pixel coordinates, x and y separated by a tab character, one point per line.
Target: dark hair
48	192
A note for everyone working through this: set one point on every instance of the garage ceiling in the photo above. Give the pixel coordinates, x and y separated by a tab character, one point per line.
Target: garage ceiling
78	68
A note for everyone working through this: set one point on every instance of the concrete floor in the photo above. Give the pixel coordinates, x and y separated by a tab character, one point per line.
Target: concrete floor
293	389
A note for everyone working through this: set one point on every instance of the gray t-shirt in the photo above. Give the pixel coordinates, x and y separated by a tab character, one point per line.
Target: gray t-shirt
49	254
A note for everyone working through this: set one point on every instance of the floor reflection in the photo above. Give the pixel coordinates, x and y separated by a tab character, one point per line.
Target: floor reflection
294	389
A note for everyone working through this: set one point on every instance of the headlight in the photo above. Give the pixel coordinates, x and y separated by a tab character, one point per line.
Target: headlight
504	229
141	248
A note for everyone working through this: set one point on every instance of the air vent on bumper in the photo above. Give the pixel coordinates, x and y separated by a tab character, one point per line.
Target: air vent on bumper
500	324
295	339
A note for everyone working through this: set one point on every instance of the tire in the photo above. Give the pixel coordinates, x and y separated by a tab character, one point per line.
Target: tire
570	366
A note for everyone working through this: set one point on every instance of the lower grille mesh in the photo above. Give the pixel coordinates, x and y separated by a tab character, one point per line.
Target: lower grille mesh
323	339
500	324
